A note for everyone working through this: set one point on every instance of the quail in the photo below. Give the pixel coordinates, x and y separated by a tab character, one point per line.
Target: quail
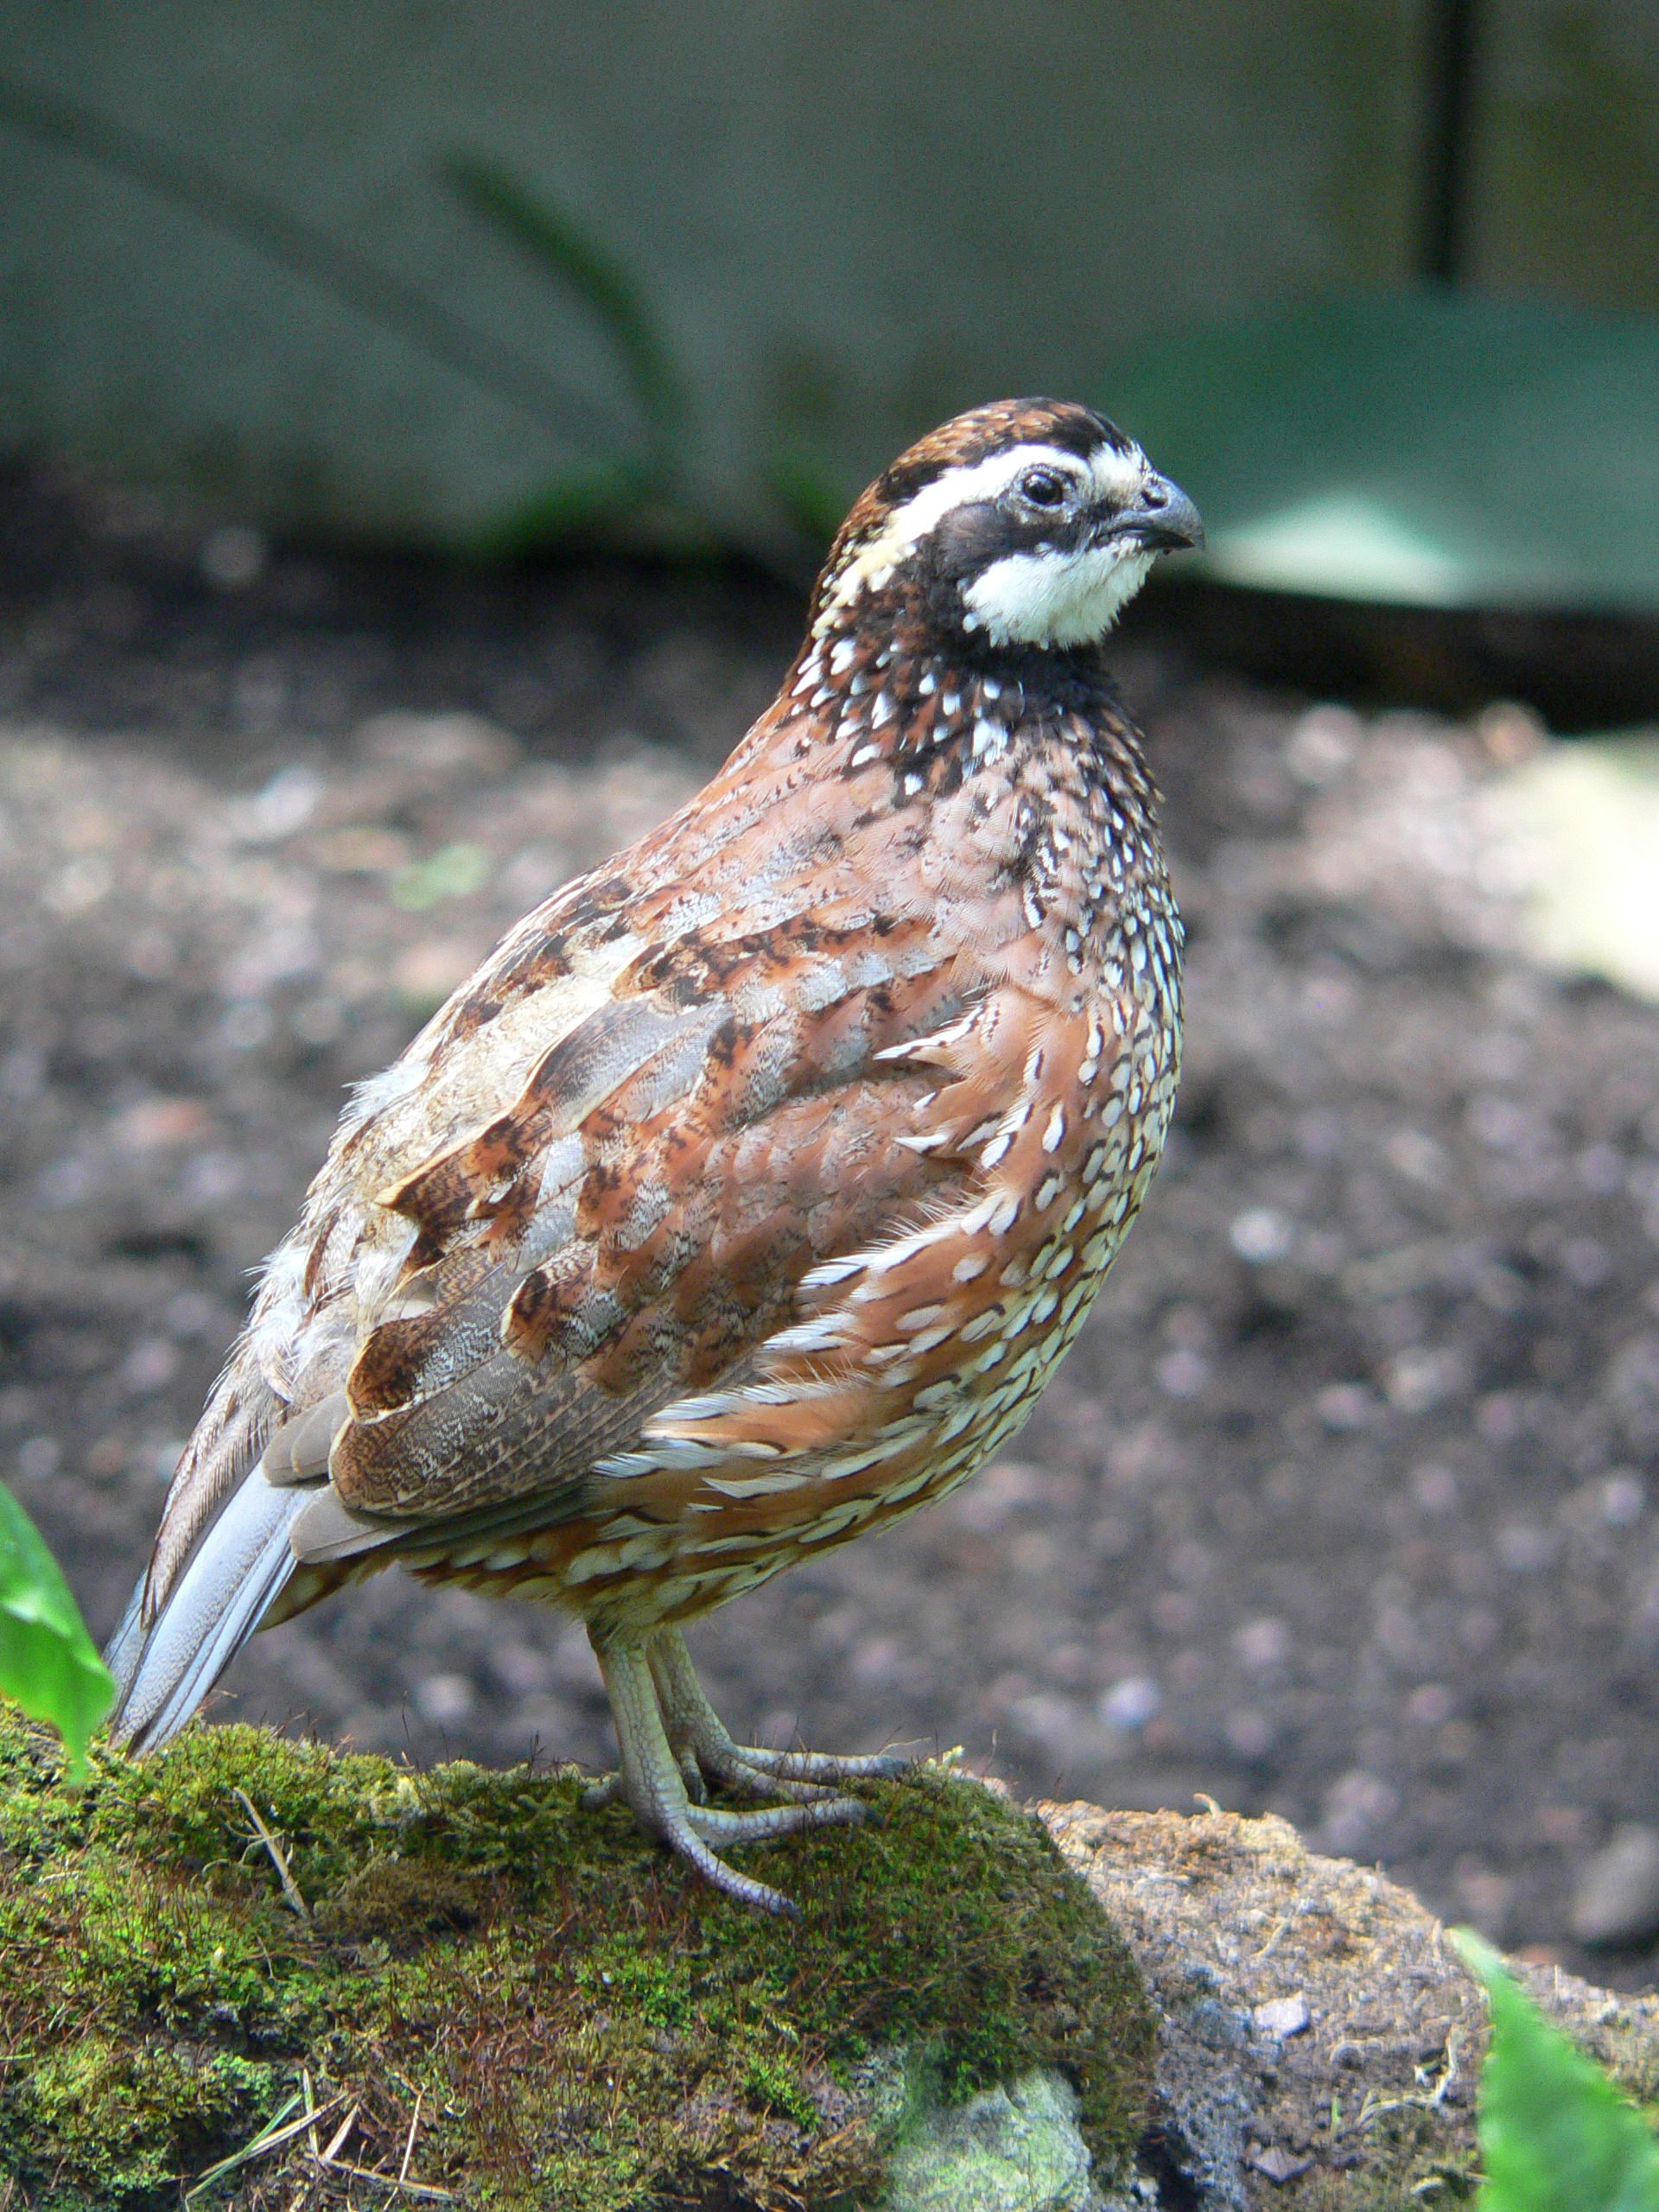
746	1196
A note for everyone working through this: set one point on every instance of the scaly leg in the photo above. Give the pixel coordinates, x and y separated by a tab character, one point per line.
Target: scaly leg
672	1738
692	1723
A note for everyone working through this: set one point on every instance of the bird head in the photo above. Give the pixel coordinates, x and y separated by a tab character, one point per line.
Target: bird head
1029	522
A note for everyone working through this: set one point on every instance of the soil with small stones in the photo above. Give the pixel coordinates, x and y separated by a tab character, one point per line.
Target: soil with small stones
1346	1504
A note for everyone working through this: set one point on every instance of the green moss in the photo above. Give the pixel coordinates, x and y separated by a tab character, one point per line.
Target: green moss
581	2022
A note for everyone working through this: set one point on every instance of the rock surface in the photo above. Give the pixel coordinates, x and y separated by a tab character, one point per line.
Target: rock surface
1320	2040
217	1960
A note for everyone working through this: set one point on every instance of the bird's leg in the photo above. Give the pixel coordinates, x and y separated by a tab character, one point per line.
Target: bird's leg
700	1738
652	1786
691	1720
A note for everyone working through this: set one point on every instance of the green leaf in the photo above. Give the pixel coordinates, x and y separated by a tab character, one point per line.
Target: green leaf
1554	2133
1383	447
47	1661
557	245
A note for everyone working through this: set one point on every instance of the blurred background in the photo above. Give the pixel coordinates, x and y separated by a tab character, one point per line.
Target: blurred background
418	426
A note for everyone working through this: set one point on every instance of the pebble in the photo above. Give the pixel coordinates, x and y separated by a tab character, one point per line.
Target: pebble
443	1698
1130	1703
1017	2149
1276	2163
1282	2016
1616	1899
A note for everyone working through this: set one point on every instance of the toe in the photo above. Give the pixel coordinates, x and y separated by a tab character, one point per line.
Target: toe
719	1876
728	1828
824	1766
738	1774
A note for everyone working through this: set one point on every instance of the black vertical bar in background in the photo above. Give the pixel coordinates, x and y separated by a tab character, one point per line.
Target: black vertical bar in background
1452	33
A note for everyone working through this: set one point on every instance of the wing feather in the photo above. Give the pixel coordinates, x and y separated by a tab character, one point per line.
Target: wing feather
672	1117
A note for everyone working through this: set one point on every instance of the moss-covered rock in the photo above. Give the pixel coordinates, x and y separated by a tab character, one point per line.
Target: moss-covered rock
553	2012
1017	2149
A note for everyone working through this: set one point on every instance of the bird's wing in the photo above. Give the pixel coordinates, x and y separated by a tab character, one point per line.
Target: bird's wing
607	1246
223	1548
464	1341
613	1167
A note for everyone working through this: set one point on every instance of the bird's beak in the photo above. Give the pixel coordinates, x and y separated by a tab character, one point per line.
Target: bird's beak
1163	518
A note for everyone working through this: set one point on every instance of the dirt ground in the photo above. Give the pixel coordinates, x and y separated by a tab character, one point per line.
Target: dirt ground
1345	1505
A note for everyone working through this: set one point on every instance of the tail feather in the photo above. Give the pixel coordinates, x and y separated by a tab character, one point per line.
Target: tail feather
165	1669
126	1647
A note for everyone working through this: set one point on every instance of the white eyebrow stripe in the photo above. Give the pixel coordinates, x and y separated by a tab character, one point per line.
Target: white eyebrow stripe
965	486
1118	476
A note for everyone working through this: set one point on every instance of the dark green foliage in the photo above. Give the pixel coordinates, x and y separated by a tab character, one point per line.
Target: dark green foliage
620	490
615	489
583	2022
560	250
266	228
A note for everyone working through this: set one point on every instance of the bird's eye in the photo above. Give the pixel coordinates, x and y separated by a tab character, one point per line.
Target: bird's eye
1043	488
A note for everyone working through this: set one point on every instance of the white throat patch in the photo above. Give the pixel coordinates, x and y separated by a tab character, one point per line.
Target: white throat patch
1056	599
1024	598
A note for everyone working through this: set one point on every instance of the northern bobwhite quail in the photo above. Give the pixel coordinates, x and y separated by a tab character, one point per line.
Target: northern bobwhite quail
746	1196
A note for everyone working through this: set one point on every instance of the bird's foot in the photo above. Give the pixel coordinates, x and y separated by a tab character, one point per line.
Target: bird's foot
695	1729
673	1743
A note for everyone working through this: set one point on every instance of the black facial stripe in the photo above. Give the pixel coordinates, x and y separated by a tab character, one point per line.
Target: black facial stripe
1068	428
968	540
1048	533
904	480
